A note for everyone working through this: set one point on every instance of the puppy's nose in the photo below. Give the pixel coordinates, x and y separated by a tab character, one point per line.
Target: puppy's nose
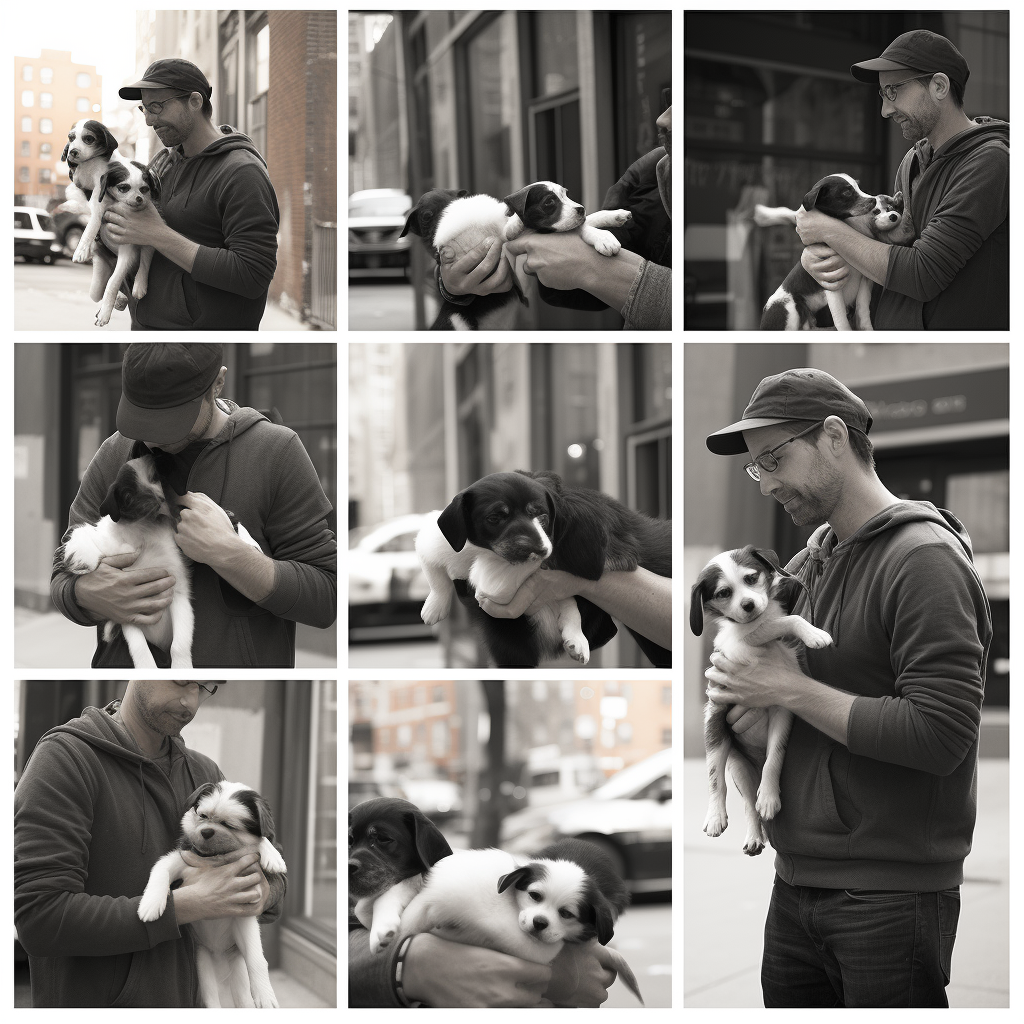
353	866
206	833
540	923
747	606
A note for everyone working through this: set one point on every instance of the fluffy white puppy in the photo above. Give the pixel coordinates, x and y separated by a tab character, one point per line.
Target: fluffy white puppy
222	818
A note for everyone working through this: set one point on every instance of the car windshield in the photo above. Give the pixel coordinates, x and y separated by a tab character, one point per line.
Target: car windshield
379	206
624	783
45	222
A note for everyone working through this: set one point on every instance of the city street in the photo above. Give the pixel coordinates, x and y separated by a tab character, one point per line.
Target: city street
380	304
397	654
726	897
56	298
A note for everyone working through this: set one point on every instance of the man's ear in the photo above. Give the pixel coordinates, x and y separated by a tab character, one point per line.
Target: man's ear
838	433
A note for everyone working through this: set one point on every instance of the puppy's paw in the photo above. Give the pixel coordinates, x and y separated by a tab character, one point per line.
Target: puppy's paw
435	608
768	803
102	316
122	300
577	647
83	253
139	290
607	244
716	822
383	933
263	997
619	217
181	660
814	637
152	904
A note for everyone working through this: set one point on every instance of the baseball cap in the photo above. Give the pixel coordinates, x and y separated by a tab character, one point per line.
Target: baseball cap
804	394
169	73
918	50
162	389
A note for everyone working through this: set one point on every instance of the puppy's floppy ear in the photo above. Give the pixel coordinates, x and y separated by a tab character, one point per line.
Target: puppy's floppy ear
766	557
110	506
64	155
697	608
431	845
812	197
516	202
101	189
452	521
520	878
412	223
204	790
581	545
151	178
604	920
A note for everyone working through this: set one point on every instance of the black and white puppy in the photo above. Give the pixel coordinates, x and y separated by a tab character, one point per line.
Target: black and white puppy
138	514
391	843
126	188
799	297
90	149
567	894
220	819
749	595
453	222
506	526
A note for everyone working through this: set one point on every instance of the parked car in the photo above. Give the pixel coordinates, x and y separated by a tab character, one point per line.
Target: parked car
629	817
438	799
376	218
35	237
386	585
69	226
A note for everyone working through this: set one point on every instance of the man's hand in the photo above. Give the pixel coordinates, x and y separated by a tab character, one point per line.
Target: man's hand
449	974
581	975
142	227
733	683
559	259
814	226
826	266
471	274
236	888
544	587
205	533
750	723
114	591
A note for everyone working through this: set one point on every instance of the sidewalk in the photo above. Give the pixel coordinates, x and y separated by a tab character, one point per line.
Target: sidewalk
726	897
48	640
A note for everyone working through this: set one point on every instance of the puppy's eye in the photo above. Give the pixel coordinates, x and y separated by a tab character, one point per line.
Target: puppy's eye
385	840
566	915
751	578
723	594
536	897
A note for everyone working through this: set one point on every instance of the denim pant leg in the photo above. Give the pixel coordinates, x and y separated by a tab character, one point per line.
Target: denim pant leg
858	948
796	969
893	948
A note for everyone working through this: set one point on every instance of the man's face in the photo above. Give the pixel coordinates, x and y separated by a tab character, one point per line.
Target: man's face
199	429
913	110
807	483
176	121
165	705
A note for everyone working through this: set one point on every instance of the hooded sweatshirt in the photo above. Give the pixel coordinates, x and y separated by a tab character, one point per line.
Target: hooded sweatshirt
260	471
894	807
91	817
956	275
222	199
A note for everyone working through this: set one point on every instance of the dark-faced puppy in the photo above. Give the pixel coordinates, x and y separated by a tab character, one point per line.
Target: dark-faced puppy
391	843
501	529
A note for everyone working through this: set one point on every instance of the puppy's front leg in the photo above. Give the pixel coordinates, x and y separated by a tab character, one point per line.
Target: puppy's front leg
769	799
182	628
439	601
603	241
124	259
387	911
570	625
84	248
154	898
609	218
247	938
141	285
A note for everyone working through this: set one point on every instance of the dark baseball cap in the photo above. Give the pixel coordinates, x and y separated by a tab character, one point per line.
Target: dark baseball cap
919	50
169	73
162	389
804	394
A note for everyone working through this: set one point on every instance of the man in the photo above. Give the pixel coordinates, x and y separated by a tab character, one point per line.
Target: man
218	456
879	781
98	804
637	281
215	233
956	189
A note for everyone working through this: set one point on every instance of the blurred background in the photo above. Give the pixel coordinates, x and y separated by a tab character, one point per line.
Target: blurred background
488	101
65	407
771	107
426	420
520	764
281	738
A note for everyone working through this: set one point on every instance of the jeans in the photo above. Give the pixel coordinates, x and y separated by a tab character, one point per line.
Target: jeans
858	947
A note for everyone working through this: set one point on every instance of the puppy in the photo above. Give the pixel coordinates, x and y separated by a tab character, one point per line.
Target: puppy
749	594
126	188
220	819
89	151
390	844
529	910
501	529
799	297
545	206
138	515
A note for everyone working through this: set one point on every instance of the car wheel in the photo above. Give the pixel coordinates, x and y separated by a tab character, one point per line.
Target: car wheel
71	240
614	853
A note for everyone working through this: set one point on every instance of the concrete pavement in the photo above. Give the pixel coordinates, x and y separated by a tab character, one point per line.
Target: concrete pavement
48	640
726	898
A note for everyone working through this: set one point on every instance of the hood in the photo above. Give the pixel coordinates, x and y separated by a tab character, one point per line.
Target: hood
232	140
96	727
985	131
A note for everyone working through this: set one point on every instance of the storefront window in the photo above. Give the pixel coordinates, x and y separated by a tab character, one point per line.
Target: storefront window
321	895
489	97
981	501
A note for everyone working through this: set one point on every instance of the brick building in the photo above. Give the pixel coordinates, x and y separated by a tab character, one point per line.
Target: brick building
51	93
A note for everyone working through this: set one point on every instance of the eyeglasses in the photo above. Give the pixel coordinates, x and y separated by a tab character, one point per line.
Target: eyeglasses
205	692
768	462
157	107
888	92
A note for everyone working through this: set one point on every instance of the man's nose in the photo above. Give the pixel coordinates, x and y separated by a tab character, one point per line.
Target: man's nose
767	483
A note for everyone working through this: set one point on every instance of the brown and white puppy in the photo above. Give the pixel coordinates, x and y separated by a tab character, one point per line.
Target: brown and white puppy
391	843
126	188
748	593
222	818
137	515
90	150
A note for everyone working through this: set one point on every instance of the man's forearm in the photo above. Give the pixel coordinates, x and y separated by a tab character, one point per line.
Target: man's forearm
871	258
640	599
249	571
177	248
827	709
609	278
